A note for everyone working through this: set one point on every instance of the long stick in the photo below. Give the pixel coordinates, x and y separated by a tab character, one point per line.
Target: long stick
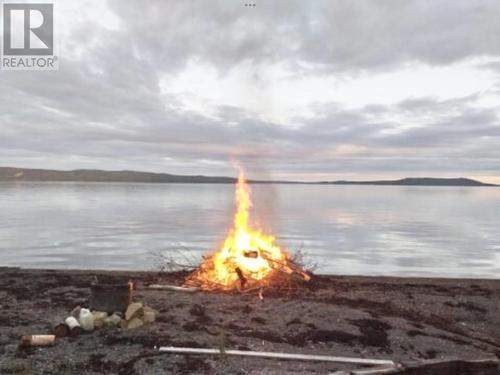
173	288
302	357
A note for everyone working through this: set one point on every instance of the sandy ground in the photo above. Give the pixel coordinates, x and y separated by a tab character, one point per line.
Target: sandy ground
404	319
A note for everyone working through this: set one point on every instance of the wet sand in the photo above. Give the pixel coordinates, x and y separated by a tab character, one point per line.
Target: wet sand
408	320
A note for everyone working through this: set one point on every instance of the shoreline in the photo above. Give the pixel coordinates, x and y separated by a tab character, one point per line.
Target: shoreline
250	182
99	175
359	277
404	319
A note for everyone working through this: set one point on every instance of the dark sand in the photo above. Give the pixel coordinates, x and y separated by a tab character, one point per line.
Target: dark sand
404	319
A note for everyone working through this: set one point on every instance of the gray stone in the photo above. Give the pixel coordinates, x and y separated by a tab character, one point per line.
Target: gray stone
112	321
150	314
134	323
134	310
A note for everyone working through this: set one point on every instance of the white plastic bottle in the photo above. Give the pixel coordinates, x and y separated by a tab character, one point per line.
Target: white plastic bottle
86	320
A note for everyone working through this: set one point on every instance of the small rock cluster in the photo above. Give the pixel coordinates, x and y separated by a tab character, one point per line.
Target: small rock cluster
137	315
82	319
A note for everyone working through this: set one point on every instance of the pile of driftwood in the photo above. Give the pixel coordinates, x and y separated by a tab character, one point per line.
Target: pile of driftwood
286	276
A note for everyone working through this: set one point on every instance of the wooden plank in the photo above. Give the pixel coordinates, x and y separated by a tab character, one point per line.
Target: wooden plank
291	356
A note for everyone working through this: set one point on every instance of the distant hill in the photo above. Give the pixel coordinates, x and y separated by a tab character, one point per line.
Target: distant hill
417	181
91	175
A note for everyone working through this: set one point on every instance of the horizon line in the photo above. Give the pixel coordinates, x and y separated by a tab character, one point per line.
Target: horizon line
286	181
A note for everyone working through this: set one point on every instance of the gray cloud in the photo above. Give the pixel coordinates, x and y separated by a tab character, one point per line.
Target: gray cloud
340	35
106	109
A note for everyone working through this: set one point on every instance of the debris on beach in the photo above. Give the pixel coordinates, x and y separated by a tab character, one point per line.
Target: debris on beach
111	297
74	328
85	320
135	316
37	340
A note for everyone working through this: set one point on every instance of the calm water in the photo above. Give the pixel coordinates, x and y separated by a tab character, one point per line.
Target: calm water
422	231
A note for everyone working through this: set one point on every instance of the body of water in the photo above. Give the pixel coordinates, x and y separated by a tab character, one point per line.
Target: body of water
365	230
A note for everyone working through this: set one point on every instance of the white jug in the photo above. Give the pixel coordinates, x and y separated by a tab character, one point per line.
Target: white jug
86	320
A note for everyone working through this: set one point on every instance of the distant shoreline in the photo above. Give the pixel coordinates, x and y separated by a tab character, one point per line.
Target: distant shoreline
87	175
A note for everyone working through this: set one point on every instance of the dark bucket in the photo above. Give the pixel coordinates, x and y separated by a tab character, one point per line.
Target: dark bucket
110	297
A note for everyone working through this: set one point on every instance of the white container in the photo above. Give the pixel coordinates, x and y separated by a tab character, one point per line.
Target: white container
72	323
74	327
86	320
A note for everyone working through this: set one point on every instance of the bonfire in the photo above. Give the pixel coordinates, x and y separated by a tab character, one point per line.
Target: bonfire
248	259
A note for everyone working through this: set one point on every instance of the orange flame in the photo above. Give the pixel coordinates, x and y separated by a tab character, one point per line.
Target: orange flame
245	250
247	256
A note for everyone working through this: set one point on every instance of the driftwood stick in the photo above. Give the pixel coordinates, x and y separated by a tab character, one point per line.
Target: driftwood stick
173	288
301	357
288	267
378	370
243	279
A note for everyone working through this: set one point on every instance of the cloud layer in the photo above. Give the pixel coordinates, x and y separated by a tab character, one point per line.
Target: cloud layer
310	90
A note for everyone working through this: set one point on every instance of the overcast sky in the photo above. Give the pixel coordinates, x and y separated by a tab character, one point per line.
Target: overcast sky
299	89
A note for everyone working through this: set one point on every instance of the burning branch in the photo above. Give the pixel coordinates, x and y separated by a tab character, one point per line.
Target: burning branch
248	258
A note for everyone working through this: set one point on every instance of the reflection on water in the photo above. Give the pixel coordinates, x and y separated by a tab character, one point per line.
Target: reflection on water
400	231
